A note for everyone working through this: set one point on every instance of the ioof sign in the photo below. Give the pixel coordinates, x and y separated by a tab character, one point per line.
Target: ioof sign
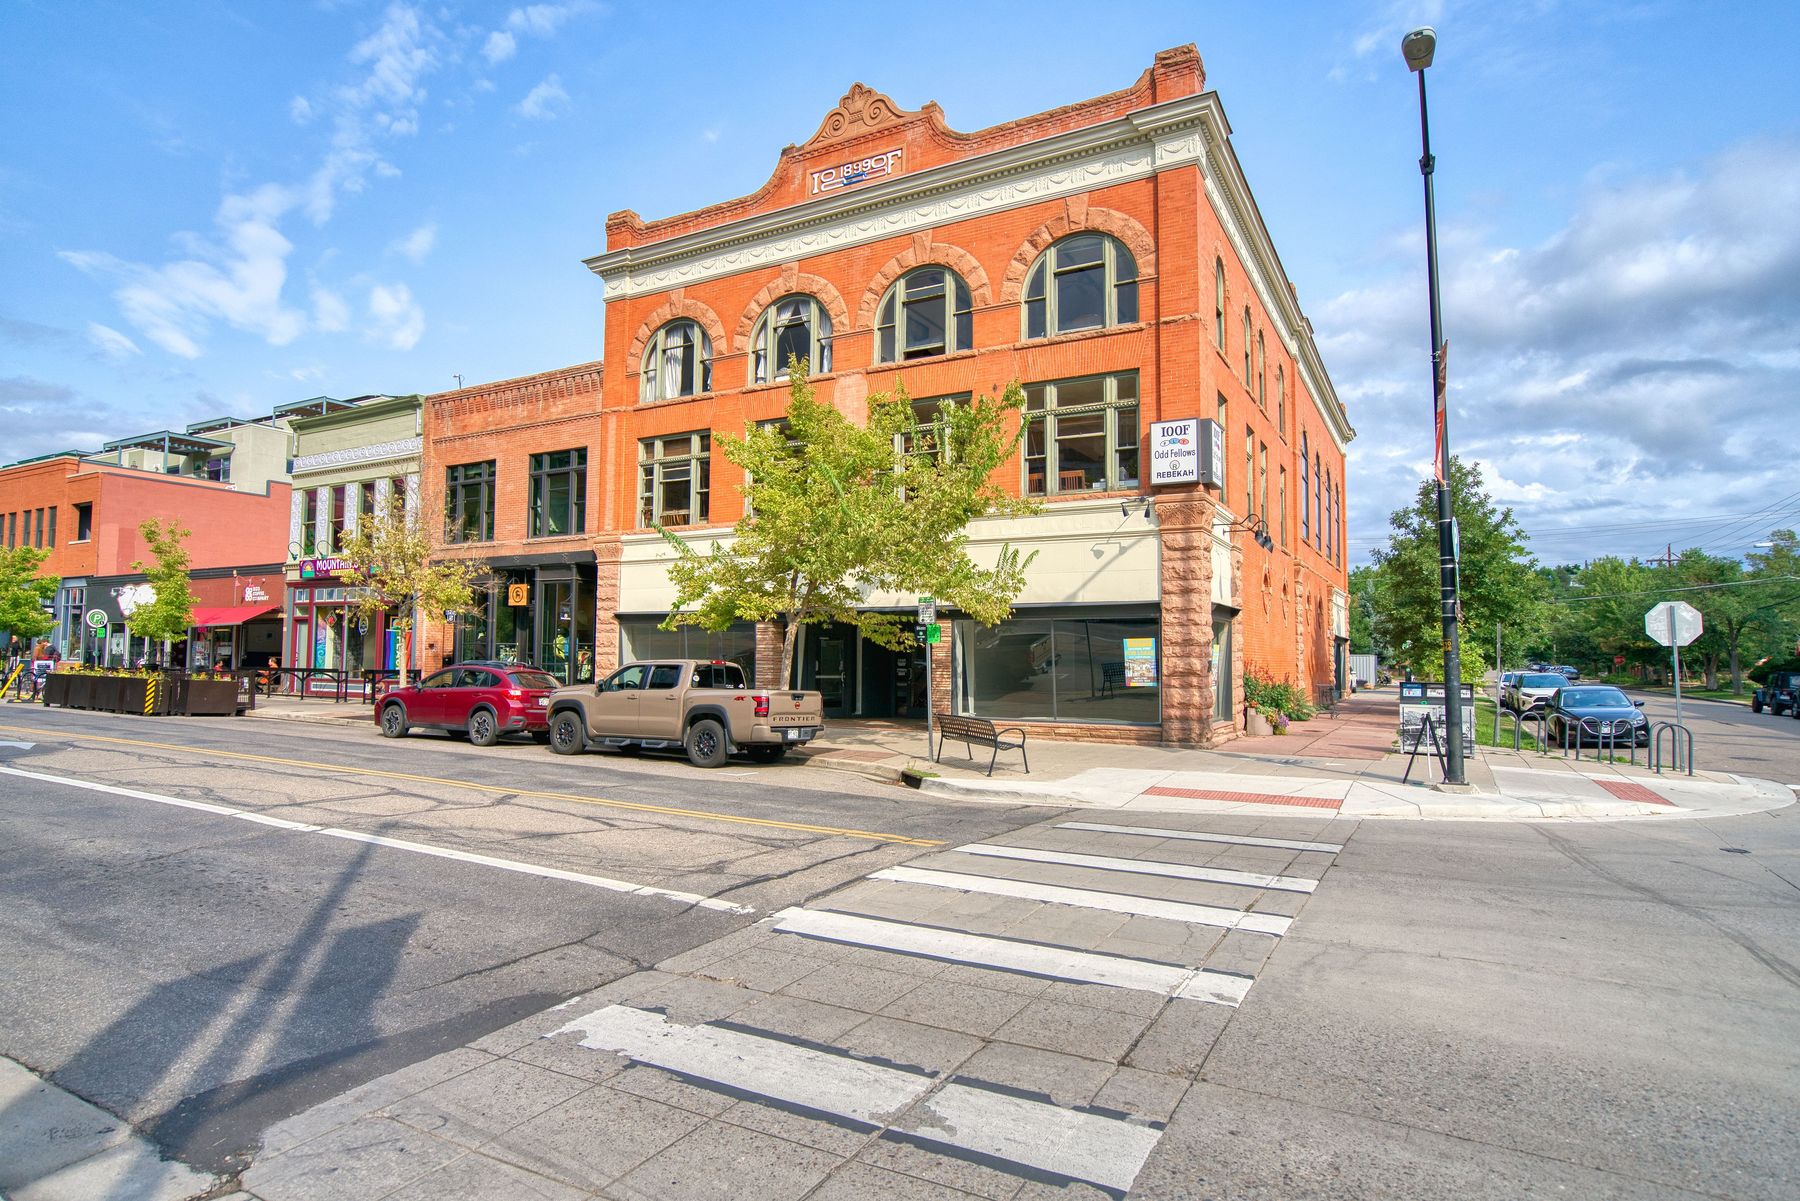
1175	452
1673	623
845	175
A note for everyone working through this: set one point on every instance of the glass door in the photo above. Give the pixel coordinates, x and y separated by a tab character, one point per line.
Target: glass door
555	635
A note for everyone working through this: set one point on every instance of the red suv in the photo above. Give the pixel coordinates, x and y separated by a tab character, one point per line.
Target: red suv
482	700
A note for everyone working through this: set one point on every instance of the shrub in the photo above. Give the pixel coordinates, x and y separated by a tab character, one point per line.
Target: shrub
1275	697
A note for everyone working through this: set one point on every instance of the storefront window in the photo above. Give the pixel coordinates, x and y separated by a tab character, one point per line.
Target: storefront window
1062	667
1221	665
644	638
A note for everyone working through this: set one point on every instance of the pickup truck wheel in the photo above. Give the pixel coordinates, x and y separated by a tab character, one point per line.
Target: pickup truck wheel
393	721
705	743
566	735
1755	705
768	754
484	730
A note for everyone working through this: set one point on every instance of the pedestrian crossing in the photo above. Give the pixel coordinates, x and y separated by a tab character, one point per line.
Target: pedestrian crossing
999	909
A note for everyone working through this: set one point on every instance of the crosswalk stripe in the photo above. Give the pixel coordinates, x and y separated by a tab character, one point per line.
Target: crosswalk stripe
1041	1135
1005	954
1242	840
1087	898
1081	1146
872	1094
1145	867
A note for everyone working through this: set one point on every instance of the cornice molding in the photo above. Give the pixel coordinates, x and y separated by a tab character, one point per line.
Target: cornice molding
373	453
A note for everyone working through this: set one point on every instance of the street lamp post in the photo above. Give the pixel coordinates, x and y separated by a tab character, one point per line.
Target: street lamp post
1418	47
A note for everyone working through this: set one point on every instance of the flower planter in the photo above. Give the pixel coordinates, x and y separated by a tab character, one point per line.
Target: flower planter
209	698
1255	724
114	694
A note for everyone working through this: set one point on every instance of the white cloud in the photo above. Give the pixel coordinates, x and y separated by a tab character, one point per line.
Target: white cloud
1639	361
543	19
418	244
397	320
300	110
112	343
236	279
331	314
499	47
541	102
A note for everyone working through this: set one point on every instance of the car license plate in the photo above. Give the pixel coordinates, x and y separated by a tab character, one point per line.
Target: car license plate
542	701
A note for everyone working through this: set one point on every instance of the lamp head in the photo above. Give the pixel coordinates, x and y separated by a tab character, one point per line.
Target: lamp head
1418	47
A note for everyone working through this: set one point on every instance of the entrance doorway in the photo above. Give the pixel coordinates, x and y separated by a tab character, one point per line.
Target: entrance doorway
828	666
857	678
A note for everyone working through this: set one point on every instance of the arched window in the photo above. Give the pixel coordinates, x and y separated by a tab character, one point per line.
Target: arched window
677	362
927	312
1219	303
1280	400
1247	345
1088	281
1262	394
794	327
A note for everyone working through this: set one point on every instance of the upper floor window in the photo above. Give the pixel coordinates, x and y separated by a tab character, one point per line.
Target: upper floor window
674	479
677	362
930	429
309	522
1081	435
1280	401
1247	345
1318	503
927	312
84	521
1088	281
1305	492
558	493
340	516
469	502
1219	304
794	327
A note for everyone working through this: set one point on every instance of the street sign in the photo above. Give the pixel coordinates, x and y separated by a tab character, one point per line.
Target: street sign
97	621
927	613
1673	623
934	633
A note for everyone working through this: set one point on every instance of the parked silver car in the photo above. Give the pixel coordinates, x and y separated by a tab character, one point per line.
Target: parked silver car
1531	689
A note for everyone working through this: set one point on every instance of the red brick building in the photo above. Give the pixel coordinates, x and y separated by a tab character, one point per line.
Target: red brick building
1109	256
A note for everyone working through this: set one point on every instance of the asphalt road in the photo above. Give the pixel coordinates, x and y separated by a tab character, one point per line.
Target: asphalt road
203	975
1729	737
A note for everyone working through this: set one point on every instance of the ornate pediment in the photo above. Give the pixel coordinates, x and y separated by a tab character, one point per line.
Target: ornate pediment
862	110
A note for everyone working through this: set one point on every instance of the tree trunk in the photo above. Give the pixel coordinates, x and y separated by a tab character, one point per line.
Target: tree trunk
1737	672
790	632
1712	670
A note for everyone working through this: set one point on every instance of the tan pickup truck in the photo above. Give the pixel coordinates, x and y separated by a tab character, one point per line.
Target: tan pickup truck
704	707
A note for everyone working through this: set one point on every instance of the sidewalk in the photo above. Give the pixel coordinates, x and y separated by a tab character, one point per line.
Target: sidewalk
1344	764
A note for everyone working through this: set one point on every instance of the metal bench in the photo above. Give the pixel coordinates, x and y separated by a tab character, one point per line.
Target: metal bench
979	731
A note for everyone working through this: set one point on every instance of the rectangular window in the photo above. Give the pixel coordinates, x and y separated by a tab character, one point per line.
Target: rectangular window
366	505
468	502
558	493
1062	666
642	639
1221	665
52	540
1224	450
674	479
40	529
84	521
1262	480
1081	435
1281	512
219	470
309	523
1305	495
930	432
1318	503
340	517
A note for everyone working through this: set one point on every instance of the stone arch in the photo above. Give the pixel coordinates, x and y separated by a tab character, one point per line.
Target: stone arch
675	307
924	252
1074	219
792	280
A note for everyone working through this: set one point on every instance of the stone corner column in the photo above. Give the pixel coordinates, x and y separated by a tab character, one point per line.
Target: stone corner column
1184	528
607	555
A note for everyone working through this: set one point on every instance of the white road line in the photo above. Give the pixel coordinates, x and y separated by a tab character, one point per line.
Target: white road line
835	1084
1242	840
1145	867
418	848
1086	898
980	950
1082	1146
1089	1147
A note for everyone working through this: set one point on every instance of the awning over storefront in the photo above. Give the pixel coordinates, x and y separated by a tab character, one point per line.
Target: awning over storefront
210	618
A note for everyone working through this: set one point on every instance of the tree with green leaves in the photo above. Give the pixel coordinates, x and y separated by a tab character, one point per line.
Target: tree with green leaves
836	511
168	616
395	555
1741	606
24	593
1364	605
1499	585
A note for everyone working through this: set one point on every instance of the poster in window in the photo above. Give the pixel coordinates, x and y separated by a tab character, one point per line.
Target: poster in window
1140	663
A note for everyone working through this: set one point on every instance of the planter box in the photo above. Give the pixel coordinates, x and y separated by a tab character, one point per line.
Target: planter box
209	698
1256	725
56	689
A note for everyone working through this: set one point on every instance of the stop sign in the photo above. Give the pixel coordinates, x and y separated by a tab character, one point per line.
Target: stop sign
1673	623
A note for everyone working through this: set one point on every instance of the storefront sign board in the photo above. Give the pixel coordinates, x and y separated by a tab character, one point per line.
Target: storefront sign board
1175	452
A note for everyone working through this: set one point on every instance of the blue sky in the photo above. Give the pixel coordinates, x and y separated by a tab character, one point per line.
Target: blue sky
214	208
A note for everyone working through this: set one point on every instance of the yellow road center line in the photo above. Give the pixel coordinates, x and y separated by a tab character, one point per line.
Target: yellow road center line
494	789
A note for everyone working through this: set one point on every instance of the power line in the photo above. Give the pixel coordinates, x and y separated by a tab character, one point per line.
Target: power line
1773	579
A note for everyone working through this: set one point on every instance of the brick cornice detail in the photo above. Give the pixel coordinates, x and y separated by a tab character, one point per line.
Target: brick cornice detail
1076	217
792	281
924	252
675	307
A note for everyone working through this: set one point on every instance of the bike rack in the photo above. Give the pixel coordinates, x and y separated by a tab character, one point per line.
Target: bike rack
1679	735
1507	715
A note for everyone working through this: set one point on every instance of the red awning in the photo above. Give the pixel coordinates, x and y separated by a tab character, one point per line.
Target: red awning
227	615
